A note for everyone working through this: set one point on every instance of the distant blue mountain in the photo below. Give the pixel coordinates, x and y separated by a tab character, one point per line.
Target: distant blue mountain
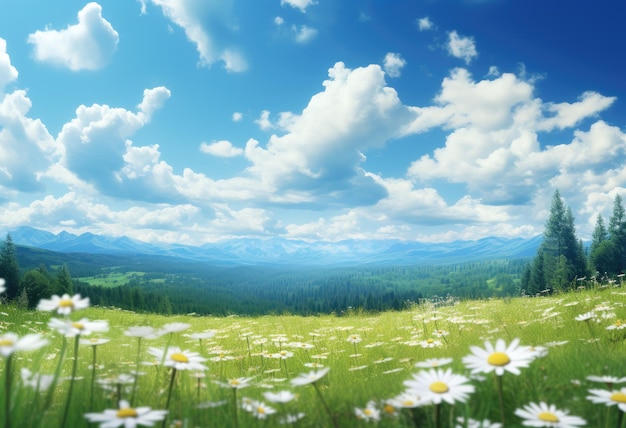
286	251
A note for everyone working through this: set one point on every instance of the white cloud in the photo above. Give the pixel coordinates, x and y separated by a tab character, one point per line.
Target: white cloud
237	116
8	73
88	45
298	4
566	115
324	144
393	64
425	24
224	149
461	47
264	121
303	34
26	147
197	19
279	21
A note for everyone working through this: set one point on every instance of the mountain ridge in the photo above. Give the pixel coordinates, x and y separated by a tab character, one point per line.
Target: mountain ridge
285	251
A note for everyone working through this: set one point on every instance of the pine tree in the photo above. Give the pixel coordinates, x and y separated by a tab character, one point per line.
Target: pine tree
617	232
10	269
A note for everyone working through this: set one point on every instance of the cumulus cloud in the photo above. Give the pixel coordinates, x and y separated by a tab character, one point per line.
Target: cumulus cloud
237	116
393	64
461	47
298	4
425	24
98	151
224	149
323	146
303	34
200	20
88	45
8	73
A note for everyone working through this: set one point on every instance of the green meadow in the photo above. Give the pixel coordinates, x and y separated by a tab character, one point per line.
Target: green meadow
369	357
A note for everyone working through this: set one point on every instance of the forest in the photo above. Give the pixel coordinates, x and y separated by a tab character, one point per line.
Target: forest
167	285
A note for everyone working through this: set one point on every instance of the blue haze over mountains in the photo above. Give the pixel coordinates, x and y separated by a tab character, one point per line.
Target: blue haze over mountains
291	252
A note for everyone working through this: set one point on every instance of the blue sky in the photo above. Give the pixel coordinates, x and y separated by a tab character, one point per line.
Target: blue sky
192	121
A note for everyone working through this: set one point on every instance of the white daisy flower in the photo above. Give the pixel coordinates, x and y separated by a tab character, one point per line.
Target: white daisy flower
369	413
84	327
174	327
354	338
39	382
310	377
500	358
431	363
547	415
437	385
471	423
407	400
586	316
202	335
11	343
142	332
609	380
238	383
63	305
279	397
258	409
610	398
127	417
179	359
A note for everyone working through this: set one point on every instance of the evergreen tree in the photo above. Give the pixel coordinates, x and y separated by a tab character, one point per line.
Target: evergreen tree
64	281
617	232
37	286
10	269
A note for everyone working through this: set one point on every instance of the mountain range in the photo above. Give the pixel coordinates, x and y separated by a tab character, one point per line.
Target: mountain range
285	251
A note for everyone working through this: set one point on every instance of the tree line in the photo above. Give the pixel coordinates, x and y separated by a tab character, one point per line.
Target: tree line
562	261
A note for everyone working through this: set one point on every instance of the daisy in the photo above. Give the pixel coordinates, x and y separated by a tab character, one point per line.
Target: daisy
407	400
127	417
610	398
471	423
258	409
544	415
38	382
354	338
433	362
179	359
279	397
238	383
84	327
11	342
369	413
63	305
202	335
310	377
586	316
142	332
609	380
174	327
500	358
437	385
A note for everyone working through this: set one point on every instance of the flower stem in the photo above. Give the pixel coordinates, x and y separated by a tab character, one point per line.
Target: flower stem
93	377
235	408
500	398
137	361
55	380
438	415
71	389
330	414
7	391
169	394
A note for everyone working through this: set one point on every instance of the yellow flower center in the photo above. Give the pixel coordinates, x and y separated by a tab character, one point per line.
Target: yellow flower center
368	412
126	413
179	357
498	359
260	410
439	387
93	340
430	340
6	342
389	409
408	402
619	396
78	325
547	417
66	303
234	382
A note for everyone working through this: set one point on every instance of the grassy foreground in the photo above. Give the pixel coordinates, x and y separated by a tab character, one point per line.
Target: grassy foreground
369	358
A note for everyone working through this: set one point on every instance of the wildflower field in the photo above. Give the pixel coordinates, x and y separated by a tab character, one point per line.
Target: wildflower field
553	361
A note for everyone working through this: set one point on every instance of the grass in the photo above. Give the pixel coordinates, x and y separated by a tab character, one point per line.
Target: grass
117	279
370	368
